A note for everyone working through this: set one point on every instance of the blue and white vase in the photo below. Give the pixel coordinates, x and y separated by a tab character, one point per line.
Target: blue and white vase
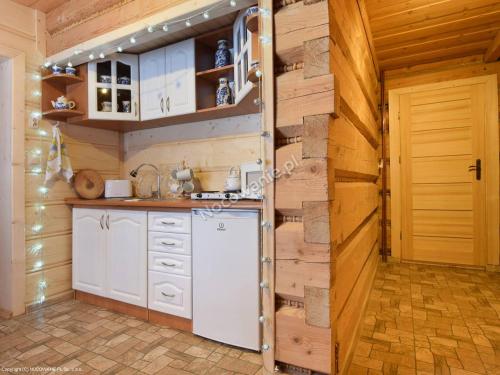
223	96
222	55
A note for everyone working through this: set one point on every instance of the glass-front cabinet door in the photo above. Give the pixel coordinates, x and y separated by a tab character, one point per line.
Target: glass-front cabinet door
114	88
242	43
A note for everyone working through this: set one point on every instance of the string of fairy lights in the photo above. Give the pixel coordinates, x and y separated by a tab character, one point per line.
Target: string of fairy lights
37	248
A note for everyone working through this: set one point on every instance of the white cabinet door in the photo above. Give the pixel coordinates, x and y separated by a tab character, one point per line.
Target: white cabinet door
113	88
181	86
242	44
153	84
170	294
127	256
89	251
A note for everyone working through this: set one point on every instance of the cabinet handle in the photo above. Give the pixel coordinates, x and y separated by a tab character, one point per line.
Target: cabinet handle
168	295
168	103
168	222
161	105
100	222
168	264
107	221
168	243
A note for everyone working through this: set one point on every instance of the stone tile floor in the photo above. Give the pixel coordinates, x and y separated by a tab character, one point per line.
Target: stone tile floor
93	340
430	320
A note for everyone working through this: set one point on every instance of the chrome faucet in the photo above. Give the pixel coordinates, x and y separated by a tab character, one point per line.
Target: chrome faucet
134	172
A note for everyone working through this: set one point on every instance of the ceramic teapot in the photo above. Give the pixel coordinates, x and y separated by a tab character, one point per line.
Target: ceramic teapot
63	103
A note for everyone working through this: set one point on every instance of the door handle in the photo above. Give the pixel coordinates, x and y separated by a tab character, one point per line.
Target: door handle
135	108
168	222
168	295
168	264
107	221
168	103
100	222
161	105
168	243
477	169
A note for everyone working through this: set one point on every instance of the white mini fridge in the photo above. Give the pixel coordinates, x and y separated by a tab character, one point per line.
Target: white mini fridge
226	276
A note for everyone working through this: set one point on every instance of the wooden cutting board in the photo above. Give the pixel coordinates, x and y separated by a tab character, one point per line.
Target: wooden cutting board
89	184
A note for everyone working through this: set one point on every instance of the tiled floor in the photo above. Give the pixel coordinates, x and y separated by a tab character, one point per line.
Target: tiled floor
96	341
430	320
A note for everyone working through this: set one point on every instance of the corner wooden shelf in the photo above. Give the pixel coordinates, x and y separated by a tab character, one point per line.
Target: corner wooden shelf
213	75
61	114
253	22
63	79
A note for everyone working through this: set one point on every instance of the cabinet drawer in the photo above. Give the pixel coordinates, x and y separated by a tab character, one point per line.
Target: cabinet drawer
170	222
169	263
170	243
170	294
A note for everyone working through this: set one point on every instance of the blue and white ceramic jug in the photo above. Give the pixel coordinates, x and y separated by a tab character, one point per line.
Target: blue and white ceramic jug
222	55
223	96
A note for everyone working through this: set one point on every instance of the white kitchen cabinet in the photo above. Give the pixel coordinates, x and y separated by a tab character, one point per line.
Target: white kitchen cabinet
167	80
180	74
113	88
170	222
171	294
242	52
126	266
110	254
153	83
89	251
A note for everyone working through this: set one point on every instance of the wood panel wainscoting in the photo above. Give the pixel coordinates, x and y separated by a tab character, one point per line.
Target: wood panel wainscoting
136	311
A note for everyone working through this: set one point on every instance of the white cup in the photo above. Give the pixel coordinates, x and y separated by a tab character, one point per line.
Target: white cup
106	106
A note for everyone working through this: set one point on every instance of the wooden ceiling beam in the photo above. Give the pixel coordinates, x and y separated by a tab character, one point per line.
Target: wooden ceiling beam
493	51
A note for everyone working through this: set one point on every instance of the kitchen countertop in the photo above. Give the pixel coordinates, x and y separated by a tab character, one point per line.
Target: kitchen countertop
164	203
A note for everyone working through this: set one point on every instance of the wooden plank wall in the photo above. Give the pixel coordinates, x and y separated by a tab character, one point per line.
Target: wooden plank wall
211	148
356	136
447	70
327	121
88	148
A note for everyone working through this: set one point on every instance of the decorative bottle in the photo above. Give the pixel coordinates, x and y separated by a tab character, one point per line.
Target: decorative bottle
222	55
223	95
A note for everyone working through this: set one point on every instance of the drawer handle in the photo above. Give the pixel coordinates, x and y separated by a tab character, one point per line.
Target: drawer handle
168	295
168	222
168	243
168	264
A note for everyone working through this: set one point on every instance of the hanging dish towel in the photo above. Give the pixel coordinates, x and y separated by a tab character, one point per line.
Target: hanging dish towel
58	163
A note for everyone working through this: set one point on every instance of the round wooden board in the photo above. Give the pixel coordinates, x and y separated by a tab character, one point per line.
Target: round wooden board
89	184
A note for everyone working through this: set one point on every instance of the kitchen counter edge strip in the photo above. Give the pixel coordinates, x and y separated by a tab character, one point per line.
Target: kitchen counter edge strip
166	204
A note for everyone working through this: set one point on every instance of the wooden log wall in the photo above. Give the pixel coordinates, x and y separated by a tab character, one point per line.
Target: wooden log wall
88	148
327	225
446	70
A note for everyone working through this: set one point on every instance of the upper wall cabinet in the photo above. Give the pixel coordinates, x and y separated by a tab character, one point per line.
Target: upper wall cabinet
168	81
113	88
242	40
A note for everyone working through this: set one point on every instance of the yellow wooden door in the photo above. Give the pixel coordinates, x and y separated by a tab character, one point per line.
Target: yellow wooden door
442	197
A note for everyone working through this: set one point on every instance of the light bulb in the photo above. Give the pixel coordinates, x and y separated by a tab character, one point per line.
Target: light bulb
101	55
42	298
188	23
206	15
36	114
35	249
36	93
132	40
150	29
232	3
91	56
36	228
40	207
38	264
43	190
77	52
70	64
37	151
36	77
47	64
42	132
265	39
119	49
42	284
36	170
258	74
265	12
165	27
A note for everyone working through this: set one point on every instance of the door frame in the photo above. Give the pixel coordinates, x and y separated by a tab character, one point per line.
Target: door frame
492	214
15	250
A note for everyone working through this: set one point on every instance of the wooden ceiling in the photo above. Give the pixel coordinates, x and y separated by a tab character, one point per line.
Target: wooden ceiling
409	32
42	5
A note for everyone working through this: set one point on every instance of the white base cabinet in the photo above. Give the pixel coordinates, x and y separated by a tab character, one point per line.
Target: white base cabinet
110	254
169	265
